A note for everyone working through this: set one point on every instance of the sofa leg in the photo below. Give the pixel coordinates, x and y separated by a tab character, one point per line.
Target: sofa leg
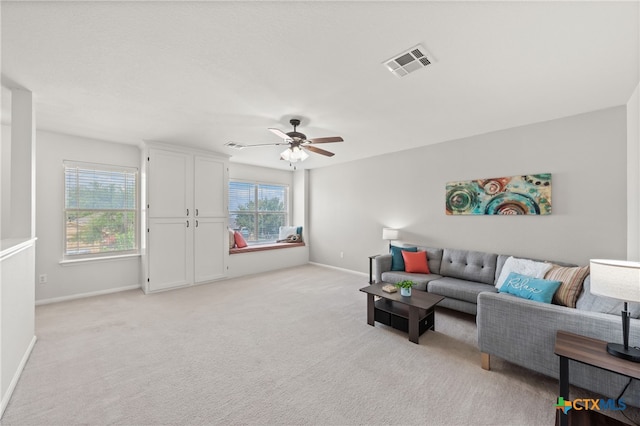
486	361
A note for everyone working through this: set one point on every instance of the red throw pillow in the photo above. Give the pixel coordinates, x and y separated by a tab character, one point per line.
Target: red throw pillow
240	241
416	262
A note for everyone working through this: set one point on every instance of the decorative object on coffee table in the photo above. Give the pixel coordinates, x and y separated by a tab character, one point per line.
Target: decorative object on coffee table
620	280
405	287
389	288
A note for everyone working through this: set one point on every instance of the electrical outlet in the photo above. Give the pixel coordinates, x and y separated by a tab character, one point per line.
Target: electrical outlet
42	278
341	255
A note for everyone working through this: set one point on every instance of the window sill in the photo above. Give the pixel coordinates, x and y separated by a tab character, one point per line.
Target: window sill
265	247
68	262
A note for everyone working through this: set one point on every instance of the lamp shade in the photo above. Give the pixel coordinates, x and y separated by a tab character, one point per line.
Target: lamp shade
390	234
619	279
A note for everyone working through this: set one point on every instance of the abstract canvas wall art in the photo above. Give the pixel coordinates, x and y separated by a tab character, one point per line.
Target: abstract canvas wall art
515	195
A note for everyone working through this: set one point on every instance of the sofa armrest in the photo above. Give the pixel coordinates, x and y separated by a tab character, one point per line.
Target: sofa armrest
383	264
523	332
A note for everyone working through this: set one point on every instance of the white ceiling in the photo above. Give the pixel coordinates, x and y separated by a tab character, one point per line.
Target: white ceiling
205	73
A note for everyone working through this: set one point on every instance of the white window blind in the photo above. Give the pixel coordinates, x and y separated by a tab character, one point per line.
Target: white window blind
101	212
258	210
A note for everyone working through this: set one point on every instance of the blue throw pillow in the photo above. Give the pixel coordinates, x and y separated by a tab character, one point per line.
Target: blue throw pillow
529	287
397	261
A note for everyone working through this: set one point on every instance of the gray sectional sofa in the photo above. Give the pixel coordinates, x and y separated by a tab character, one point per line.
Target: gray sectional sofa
458	275
518	330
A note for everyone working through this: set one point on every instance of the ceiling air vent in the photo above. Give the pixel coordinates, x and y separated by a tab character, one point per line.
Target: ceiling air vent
407	62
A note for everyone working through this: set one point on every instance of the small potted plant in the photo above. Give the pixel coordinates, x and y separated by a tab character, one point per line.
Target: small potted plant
405	287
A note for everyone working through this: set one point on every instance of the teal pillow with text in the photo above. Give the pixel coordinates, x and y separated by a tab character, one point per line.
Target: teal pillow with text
530	288
397	261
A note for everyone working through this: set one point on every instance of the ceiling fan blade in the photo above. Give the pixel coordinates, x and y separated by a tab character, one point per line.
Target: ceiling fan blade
267	144
239	146
327	139
319	151
279	133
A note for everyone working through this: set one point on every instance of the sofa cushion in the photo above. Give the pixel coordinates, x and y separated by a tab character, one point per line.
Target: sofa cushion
527	267
397	261
459	289
434	258
415	262
531	288
469	265
571	287
420	280
605	305
502	258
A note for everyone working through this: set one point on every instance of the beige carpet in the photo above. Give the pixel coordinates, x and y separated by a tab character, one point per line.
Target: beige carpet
287	347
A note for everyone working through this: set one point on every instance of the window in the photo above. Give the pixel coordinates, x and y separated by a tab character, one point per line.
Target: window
101	212
258	210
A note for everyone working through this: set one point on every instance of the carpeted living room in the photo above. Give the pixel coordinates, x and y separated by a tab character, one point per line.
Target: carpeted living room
315	212
284	347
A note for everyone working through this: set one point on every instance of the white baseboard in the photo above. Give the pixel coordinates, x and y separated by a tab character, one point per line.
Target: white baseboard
340	269
83	295
14	381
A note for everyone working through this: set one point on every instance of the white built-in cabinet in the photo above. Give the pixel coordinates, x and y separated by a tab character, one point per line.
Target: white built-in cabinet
186	217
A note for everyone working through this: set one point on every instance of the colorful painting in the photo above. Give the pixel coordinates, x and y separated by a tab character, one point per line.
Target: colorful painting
527	194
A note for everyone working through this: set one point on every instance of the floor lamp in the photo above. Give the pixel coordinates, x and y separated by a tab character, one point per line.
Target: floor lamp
390	234
618	279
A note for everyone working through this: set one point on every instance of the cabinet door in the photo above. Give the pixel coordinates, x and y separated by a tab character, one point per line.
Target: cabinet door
170	251
210	187
211	248
168	180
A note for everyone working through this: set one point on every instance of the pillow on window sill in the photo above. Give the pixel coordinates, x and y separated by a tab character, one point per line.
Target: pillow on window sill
232	238
285	231
239	239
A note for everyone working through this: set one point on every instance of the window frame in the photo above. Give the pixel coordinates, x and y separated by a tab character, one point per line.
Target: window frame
107	255
256	212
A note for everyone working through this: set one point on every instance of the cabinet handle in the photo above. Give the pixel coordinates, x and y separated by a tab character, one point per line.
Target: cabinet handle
196	223
187	212
196	212
187	224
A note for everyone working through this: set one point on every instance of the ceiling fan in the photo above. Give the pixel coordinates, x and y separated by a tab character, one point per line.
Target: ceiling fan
297	142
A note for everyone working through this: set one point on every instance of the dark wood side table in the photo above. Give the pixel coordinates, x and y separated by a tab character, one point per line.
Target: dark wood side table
587	351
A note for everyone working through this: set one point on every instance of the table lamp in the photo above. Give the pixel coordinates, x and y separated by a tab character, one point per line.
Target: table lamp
390	234
618	279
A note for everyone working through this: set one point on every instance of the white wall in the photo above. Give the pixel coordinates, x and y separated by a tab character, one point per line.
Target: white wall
262	261
17	247
92	277
633	176
17	319
300	201
5	176
351	203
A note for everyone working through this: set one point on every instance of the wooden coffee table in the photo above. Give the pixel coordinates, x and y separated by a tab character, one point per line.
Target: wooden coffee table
413	314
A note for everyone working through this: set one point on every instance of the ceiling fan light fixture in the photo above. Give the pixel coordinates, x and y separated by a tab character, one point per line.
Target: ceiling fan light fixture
302	155
294	154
